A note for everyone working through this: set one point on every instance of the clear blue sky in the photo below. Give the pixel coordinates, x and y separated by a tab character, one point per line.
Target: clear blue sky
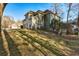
17	10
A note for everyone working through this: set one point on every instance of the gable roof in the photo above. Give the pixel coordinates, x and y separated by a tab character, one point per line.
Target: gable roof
41	12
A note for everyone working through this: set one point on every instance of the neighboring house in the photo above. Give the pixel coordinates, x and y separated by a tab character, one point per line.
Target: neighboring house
13	26
75	28
39	19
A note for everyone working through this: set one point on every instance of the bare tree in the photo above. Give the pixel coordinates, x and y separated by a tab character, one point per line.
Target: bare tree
69	29
2	6
58	11
75	13
7	21
77	10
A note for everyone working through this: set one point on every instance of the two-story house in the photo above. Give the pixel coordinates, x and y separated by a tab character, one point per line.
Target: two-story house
39	19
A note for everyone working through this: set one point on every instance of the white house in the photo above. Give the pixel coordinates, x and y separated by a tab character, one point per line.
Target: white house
32	20
13	26
39	19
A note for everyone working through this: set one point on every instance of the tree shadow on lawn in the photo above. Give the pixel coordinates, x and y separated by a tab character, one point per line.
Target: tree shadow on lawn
2	50
12	46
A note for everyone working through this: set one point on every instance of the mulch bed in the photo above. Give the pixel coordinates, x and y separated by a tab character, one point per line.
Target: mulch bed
71	37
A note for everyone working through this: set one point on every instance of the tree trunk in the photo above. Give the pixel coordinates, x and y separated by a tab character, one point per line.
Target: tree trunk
2	6
78	20
0	25
69	6
0	16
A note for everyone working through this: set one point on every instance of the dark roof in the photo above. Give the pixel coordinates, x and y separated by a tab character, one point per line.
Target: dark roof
42	12
30	12
48	11
39	11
